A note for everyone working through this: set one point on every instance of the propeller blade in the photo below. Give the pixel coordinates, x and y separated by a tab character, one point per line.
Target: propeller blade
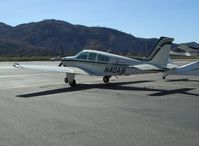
60	64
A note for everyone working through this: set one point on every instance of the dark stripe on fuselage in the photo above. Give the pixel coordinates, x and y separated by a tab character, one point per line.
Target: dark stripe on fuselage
96	62
156	46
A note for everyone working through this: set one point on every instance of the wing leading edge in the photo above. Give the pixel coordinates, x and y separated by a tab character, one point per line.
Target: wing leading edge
72	70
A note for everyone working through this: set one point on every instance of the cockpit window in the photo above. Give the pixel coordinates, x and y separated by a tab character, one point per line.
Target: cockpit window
92	56
83	55
103	58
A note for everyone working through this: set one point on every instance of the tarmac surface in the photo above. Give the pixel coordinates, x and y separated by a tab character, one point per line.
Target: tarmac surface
38	108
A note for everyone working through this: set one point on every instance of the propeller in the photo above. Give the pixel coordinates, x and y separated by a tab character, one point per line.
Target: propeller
60	64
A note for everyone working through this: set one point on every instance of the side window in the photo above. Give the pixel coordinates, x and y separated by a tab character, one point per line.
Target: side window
92	56
103	58
83	56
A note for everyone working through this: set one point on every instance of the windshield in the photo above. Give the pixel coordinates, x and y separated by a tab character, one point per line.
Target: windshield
82	55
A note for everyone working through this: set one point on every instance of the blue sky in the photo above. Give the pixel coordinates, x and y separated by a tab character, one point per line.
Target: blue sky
142	18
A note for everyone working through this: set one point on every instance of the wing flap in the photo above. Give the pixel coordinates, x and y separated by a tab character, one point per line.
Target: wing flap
73	70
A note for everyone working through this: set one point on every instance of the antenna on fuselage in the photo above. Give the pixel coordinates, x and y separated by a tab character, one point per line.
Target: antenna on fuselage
108	50
61	54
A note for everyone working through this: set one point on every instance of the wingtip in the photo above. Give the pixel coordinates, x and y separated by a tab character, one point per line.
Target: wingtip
17	65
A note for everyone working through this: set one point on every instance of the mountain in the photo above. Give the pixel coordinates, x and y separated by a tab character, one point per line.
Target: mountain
192	45
4	28
46	38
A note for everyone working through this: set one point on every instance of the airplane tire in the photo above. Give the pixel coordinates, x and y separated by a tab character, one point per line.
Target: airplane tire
73	83
66	80
106	79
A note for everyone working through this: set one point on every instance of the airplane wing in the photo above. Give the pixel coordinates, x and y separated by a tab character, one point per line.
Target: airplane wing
148	67
73	70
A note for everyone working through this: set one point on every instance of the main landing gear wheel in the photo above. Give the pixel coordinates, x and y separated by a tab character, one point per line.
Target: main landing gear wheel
106	79
73	83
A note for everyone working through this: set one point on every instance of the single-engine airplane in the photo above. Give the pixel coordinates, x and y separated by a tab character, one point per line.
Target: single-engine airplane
98	63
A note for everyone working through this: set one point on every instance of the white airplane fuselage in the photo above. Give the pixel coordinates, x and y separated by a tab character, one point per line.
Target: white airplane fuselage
103	64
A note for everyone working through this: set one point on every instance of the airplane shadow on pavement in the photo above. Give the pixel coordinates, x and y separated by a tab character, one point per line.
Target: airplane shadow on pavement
112	86
181	80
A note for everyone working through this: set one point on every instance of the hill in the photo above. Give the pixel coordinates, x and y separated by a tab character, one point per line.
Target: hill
46	38
192	45
51	37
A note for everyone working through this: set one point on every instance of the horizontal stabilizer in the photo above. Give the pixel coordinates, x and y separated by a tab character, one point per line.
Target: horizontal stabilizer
188	69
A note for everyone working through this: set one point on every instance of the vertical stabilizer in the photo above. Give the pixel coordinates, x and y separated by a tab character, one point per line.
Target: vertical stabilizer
160	54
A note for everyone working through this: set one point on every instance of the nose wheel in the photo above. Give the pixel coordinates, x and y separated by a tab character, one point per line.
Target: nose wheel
66	80
70	79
